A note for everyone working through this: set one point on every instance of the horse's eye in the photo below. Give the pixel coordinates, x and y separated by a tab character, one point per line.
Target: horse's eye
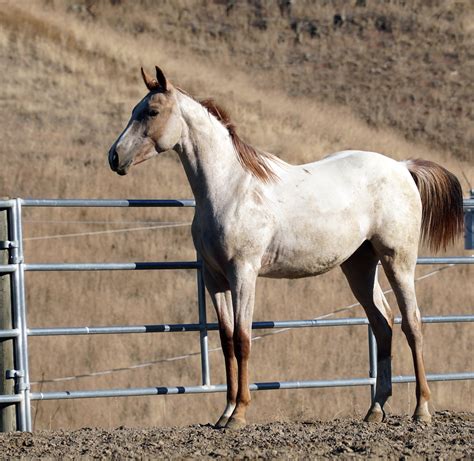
152	113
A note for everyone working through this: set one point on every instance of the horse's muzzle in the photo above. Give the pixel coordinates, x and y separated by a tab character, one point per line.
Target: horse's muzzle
114	163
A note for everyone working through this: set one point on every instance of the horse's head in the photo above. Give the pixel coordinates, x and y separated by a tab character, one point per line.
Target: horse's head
154	126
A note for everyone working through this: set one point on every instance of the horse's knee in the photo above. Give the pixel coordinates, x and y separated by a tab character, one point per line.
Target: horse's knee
241	341
227	339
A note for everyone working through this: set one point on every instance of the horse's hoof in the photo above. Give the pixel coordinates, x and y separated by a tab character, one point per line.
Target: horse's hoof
422	418
222	422
235	424
374	416
422	413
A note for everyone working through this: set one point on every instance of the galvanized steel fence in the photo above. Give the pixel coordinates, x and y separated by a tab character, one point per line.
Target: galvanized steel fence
19	332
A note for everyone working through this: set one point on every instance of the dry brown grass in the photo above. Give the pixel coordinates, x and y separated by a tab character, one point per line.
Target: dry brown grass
71	81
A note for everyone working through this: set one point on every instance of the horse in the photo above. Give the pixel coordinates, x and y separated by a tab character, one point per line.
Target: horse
257	215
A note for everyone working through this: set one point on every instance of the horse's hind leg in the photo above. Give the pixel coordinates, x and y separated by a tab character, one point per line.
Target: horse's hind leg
361	273
399	266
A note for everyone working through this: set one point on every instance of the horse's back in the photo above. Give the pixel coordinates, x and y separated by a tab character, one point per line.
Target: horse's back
363	181
354	166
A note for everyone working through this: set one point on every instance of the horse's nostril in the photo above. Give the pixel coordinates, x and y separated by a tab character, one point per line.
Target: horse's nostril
114	160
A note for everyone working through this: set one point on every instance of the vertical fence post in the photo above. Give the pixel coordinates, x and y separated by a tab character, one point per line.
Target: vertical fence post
25	388
372	362
21	372
7	387
206	379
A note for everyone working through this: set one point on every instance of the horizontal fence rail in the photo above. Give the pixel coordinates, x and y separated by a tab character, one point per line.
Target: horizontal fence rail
264	386
171	265
448	260
19	331
97	203
144	266
193	327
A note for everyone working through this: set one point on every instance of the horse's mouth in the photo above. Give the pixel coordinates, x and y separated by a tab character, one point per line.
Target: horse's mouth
123	170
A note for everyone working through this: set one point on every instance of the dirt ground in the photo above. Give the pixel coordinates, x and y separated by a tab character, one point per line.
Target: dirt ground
450	436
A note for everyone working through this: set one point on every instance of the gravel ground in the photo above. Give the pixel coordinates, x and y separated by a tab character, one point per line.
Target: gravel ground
450	436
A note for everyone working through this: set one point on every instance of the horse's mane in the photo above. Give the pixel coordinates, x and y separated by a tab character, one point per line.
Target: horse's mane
253	160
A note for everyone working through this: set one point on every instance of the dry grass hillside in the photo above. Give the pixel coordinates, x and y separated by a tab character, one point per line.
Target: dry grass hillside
394	77
403	65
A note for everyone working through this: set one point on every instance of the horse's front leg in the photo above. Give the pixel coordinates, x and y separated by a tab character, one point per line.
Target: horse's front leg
243	297
222	300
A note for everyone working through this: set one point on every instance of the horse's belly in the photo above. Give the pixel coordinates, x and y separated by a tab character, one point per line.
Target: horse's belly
297	270
313	248
302	262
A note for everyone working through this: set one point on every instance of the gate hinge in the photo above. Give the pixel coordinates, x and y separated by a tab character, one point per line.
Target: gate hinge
17	375
14	374
8	244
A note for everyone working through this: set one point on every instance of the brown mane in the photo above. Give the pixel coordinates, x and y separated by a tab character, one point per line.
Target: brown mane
253	160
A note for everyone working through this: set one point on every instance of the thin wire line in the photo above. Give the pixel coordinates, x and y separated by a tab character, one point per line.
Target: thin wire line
112	231
41	221
193	354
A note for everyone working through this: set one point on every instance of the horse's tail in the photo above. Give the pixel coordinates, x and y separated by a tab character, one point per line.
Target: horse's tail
442	203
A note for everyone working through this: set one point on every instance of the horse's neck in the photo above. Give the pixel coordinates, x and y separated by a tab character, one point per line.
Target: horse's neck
207	154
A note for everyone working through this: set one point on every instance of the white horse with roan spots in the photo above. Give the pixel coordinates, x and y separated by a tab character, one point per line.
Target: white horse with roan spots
259	216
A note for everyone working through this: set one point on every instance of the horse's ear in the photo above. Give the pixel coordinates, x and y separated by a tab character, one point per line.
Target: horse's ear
161	79
150	82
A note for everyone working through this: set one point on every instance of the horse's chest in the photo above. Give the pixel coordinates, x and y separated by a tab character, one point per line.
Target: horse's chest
211	245
220	243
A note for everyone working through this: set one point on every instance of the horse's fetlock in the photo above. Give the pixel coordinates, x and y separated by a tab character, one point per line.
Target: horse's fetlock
425	395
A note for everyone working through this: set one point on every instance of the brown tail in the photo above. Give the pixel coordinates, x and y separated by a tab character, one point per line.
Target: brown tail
441	198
